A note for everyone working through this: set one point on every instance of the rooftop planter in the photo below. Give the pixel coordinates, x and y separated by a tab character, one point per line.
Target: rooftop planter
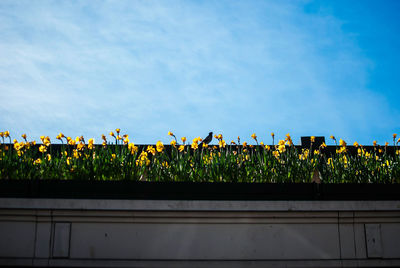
314	171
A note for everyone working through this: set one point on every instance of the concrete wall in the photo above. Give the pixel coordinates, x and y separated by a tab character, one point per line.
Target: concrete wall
150	233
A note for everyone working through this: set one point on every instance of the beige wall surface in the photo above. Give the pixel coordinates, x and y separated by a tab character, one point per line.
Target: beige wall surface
168	233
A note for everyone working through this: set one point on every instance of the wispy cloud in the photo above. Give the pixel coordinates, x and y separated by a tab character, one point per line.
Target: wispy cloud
153	66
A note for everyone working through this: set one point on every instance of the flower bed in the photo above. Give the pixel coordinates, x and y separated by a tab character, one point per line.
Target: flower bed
197	162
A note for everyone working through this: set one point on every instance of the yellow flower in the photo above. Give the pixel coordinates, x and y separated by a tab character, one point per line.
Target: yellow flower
183	139
386	143
91	143
6	134
312	138
276	154
18	145
113	156
394	136
323	145
332	137
117	130
170	133
42	148
68	161
267	147
2	134
37	161
23	136
205	145
132	148
281	148
165	164
143	160
159	146
374	143
342	143
80	146
222	144
173	143
48	157
181	148
76	154
272	134
355	144
219	137
316	152
126	140
330	162
112	134
194	145
71	141
254	136
104	137
151	150
244	144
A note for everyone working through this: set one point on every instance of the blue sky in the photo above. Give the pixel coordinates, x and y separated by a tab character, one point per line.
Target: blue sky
233	67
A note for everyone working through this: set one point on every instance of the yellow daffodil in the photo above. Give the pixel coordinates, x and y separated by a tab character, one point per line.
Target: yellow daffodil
170	134
173	143
132	148
42	148
323	145
312	138
254	136
394	136
272	134
117	130
244	144
181	148
159	146
112	134
194	145
48	156
374	143
183	139
355	144
165	164
24	136
37	161
80	146
342	143
90	143
103	137
222	144
151	150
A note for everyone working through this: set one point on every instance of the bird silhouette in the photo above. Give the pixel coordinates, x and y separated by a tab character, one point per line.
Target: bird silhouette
207	139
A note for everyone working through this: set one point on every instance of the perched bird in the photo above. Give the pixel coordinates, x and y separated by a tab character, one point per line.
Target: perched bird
207	139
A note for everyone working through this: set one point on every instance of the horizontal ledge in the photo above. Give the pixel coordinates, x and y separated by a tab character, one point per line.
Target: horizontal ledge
196	205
